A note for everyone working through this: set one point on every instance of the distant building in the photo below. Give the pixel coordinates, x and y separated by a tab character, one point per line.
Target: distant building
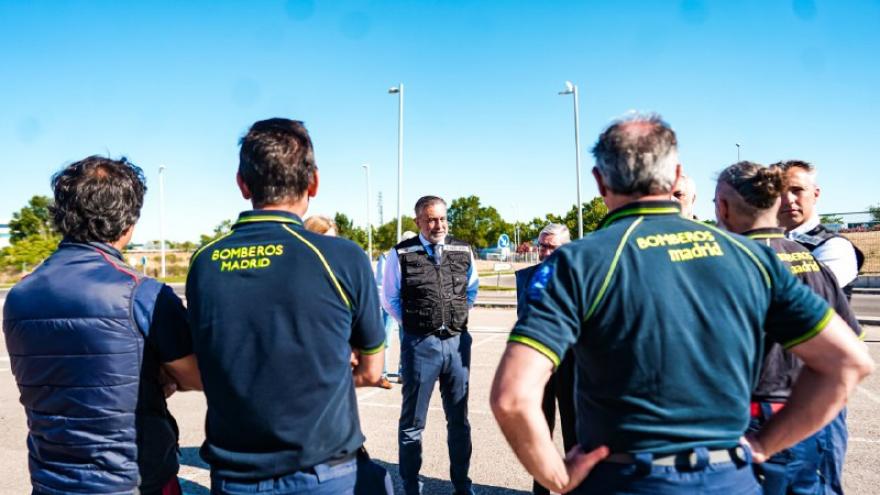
4	235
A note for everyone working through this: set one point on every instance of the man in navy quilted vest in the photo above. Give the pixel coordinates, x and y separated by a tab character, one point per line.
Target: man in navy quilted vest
88	338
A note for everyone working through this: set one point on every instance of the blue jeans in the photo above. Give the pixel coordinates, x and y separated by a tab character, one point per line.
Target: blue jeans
322	479
389	323
644	478
793	471
426	359
834	439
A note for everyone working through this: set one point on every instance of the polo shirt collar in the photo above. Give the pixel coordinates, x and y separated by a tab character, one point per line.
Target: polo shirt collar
642	208
765	233
278	216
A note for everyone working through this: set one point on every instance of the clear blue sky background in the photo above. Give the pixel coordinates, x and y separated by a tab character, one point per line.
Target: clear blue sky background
177	83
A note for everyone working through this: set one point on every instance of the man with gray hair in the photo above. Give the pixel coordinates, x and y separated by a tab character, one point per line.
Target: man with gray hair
429	286
666	318
560	387
685	193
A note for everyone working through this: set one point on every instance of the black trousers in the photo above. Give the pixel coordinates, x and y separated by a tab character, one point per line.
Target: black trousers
560	388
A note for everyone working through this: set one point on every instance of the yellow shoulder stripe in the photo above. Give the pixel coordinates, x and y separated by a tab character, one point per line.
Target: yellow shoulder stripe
324	262
199	251
613	266
534	344
744	249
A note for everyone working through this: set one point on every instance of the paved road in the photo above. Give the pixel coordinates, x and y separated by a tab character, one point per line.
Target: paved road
494	468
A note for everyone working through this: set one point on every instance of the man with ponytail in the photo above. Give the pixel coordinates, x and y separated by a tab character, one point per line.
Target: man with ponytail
747	199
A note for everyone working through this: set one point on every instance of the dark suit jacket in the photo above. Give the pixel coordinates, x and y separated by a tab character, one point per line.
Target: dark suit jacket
522	281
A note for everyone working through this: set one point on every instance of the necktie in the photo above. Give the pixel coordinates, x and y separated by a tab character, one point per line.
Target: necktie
437	249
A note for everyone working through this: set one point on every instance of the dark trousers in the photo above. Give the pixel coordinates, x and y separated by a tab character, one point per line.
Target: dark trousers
426	359
793	471
644	478
560	388
833	444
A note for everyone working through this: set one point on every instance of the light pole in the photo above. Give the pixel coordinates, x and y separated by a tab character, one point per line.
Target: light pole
399	91
162	219
572	89
369	216
737	152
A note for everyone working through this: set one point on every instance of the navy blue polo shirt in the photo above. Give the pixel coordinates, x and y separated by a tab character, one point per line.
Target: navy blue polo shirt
666	317
275	311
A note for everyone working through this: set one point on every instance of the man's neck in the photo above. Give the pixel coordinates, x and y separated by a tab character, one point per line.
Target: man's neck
807	225
614	200
768	221
298	208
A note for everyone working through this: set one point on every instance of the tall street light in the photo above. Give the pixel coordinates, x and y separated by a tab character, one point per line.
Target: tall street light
572	89
737	152
162	218
399	91
369	216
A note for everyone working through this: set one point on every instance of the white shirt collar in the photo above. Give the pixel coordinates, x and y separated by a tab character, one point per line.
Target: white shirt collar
807	226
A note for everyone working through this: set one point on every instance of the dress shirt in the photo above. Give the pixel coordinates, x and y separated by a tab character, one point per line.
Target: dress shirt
837	253
391	281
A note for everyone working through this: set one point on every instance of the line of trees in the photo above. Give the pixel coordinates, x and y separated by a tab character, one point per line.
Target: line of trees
33	237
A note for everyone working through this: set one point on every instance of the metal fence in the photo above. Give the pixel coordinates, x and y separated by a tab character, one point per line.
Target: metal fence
863	231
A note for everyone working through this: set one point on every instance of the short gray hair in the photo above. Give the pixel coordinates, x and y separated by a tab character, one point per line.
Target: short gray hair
426	201
637	155
558	230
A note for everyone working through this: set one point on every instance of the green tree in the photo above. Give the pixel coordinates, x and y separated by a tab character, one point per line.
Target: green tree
32	220
28	252
875	212
828	219
593	213
385	236
475	224
345	228
221	229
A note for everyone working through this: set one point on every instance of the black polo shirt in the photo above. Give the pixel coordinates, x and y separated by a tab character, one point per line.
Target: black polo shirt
275	311
781	368
666	317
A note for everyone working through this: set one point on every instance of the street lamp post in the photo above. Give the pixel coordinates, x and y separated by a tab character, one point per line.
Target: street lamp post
162	219
399	91
737	152
369	216
572	89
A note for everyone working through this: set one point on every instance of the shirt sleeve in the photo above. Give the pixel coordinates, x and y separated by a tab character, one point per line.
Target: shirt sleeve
840	257
367	329
796	313
473	283
169	330
551	322
391	286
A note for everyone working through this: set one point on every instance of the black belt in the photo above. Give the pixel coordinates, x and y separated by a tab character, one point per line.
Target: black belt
341	459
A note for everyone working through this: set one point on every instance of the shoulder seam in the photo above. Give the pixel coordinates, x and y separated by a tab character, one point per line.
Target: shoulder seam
323	262
192	259
612	268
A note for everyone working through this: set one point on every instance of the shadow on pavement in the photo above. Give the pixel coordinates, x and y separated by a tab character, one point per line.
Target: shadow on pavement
434	486
189	456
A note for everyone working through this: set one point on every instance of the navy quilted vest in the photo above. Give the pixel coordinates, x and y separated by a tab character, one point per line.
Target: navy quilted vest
76	354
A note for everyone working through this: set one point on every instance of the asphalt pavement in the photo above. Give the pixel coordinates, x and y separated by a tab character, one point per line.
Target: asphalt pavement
494	469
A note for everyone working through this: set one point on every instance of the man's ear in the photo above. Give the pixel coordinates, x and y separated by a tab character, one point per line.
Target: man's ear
245	190
313	184
677	180
818	191
603	190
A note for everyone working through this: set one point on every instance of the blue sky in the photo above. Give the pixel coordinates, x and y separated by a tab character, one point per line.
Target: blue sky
177	83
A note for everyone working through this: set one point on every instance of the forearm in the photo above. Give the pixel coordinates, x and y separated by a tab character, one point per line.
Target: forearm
367	371
529	436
